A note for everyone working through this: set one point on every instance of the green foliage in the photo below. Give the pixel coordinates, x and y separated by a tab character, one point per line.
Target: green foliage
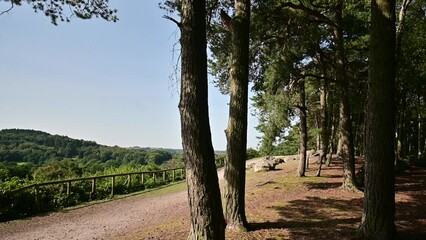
289	144
54	197
28	156
20	170
57	157
252	153
55	170
20	205
293	41
64	10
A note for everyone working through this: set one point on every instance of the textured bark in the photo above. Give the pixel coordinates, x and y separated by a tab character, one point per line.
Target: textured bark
303	130
345	151
422	138
207	220
325	132
414	141
379	202
402	126
401	142
236	133
399	28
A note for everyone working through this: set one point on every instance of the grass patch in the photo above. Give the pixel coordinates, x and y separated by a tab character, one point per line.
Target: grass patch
152	192
166	189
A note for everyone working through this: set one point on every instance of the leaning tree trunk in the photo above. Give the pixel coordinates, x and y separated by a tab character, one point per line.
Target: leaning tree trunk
345	152
303	130
205	206
379	201
236	133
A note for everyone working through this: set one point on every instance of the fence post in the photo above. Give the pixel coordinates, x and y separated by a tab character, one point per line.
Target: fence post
181	173
164	176
153	177
93	193
37	198
142	179
173	175
129	181
68	188
112	185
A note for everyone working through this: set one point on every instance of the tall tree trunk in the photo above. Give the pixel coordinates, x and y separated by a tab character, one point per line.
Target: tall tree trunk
205	206
422	141
379	201
303	130
346	148
401	142
400	26
236	133
414	151
402	134
325	132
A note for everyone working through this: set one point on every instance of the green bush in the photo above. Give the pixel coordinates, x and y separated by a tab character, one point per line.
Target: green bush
18	204
54	197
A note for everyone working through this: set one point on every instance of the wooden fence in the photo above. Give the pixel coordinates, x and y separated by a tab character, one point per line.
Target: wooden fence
175	173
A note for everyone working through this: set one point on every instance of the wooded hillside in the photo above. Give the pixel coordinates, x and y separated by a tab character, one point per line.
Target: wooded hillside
24	153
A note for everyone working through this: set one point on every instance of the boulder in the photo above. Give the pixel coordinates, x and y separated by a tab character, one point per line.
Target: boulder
291	158
250	165
267	164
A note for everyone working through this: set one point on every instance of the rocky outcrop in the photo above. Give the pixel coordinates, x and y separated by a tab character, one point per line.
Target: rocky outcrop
267	164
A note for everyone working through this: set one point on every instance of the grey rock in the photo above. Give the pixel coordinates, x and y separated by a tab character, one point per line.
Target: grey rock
267	164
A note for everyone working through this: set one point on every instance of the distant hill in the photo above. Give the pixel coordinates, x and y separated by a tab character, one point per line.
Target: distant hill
37	147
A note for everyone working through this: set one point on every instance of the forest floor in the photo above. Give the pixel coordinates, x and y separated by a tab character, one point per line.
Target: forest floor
279	205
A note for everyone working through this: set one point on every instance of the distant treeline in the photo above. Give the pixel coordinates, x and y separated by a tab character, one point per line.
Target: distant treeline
30	153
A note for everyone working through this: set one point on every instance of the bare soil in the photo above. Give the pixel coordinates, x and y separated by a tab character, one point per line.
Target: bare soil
279	205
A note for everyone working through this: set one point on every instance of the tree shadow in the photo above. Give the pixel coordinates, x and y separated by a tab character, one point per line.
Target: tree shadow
335	218
323	185
317	218
410	211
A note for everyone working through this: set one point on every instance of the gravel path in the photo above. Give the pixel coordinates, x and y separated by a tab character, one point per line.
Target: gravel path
99	221
114	219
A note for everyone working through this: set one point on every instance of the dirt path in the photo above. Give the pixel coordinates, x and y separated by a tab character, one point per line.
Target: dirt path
279	205
101	221
116	219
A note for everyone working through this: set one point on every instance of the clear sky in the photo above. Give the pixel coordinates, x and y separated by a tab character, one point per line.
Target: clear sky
97	80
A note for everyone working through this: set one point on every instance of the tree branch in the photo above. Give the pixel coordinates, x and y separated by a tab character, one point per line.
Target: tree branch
210	12
8	10
173	20
227	20
311	12
305	75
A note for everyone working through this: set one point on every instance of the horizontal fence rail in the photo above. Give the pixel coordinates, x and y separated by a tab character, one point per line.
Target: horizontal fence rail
154	175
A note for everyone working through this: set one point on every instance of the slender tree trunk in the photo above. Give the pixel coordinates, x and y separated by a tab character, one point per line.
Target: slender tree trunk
403	145
400	26
379	201
333	132
414	151
207	220
325	133
346	148
303	130
236	133
422	142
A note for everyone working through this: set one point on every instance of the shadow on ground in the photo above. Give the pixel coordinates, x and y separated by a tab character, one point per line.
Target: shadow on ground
317	217
410	210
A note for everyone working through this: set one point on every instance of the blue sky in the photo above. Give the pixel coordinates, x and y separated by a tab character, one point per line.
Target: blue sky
99	81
